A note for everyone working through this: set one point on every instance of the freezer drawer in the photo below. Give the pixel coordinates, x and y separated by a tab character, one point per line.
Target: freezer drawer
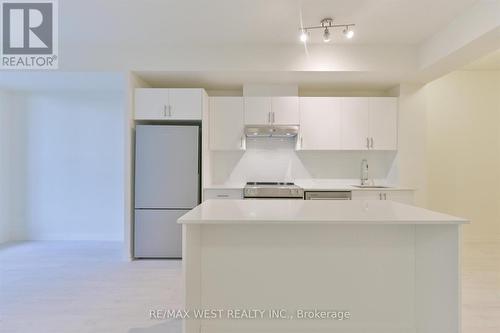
157	233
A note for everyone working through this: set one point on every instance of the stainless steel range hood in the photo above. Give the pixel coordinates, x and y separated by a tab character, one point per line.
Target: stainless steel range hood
268	131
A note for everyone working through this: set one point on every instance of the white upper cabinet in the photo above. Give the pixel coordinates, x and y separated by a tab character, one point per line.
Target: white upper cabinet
186	103
151	103
383	123
226	123
272	110
285	110
168	104
257	110
369	123
326	123
355	126
320	123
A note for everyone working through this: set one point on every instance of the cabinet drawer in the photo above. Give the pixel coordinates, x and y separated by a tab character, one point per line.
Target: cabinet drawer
223	194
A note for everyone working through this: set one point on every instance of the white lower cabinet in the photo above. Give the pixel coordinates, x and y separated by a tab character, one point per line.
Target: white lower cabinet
233	193
402	196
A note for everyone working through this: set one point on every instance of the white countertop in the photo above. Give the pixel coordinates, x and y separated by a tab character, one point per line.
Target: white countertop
311	211
321	185
344	185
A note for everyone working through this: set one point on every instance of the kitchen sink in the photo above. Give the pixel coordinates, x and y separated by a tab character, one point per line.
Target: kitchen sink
371	186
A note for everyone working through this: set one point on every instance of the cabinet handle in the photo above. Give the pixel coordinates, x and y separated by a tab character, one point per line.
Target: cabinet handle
301	142
222	195
170	110
241	142
385	196
380	196
269	117
273	117
371	143
367	143
165	110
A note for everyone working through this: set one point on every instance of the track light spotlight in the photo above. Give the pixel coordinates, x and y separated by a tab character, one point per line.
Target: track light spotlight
303	36
348	33
326	36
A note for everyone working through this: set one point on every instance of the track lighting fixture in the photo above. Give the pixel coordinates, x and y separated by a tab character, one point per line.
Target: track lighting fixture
327	24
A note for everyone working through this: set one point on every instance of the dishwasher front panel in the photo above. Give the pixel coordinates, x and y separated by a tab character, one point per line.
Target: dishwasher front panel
328	195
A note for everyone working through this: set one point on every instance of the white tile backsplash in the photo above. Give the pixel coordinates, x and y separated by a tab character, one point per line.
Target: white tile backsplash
273	159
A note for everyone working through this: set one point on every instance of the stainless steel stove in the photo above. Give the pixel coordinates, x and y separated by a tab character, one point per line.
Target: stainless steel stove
272	190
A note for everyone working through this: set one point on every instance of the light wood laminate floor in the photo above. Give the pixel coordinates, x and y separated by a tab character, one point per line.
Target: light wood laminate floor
481	287
73	287
87	287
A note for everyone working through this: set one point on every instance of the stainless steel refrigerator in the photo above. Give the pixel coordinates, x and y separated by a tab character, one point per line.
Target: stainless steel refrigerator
167	185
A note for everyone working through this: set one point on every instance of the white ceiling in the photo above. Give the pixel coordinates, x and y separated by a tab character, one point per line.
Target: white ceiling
490	62
133	22
307	81
47	81
223	44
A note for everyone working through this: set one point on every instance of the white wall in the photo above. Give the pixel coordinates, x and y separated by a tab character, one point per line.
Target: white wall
5	211
132	82
449	147
463	149
412	141
68	170
276	160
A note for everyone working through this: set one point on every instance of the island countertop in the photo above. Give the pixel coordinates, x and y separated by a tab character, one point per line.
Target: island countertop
312	211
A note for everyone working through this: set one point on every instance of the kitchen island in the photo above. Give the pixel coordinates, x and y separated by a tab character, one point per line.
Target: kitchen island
367	266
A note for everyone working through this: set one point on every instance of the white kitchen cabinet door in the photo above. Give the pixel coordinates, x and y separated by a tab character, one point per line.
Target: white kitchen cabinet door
285	110
168	104
406	197
383	123
319	123
401	196
257	110
226	123
151	103
354	123
185	104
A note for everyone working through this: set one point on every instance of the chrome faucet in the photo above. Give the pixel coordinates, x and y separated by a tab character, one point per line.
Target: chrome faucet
364	172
